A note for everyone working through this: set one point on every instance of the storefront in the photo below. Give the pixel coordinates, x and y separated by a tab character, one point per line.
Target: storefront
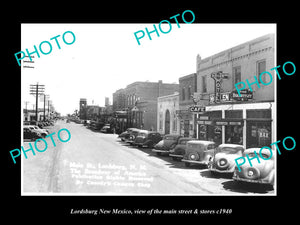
248	124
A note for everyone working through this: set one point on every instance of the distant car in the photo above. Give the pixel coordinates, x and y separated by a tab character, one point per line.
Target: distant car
224	156
198	152
35	128
147	138
168	142
106	129
178	152
263	172
67	121
30	134
123	135
132	135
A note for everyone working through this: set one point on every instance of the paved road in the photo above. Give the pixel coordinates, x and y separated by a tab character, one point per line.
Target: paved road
96	163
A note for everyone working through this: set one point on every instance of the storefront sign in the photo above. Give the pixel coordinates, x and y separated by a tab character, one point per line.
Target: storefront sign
244	95
224	97
218	77
205	122
196	108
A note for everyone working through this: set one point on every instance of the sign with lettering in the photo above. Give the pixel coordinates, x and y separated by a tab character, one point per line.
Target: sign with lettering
218	77
197	108
244	95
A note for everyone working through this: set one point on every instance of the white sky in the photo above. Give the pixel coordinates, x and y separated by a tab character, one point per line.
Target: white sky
106	57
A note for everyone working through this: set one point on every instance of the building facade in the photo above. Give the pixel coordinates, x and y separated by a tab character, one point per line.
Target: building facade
187	88
136	105
167	119
228	118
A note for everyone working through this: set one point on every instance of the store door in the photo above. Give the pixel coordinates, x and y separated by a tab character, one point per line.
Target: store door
167	122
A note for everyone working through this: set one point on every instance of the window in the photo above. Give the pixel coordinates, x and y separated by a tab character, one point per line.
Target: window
183	94
237	74
204	84
261	67
189	93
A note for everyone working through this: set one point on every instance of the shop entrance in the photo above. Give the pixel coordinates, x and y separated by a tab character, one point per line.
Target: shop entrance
234	134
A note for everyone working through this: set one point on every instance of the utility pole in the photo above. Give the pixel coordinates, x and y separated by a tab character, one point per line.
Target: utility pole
45	97
36	89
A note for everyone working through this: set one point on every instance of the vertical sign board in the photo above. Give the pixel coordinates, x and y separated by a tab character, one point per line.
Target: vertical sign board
218	77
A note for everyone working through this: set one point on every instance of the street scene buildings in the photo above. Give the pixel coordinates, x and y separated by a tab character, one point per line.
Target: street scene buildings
201	108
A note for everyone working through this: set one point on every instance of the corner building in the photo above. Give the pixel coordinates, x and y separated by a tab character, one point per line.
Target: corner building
250	119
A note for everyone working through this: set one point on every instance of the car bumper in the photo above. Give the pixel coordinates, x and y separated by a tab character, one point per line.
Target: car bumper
195	162
161	151
250	181
220	171
176	156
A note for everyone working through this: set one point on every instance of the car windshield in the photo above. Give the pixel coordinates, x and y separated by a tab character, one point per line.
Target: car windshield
228	150
183	142
170	137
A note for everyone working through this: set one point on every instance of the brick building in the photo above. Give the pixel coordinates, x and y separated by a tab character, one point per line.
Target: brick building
136	105
247	120
187	88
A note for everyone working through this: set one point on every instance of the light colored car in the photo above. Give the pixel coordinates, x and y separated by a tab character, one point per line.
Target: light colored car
260	172
34	128
198	152
224	158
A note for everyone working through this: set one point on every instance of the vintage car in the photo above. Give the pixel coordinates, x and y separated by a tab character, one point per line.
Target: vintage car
260	172
106	129
35	128
224	156
29	134
178	152
168	142
132	135
125	134
147	138
198	152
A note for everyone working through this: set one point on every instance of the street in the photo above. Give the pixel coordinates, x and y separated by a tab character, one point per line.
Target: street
101	164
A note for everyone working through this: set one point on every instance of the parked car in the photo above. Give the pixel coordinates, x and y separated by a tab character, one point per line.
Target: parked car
132	135
224	156
168	142
106	129
30	134
125	133
35	128
147	138
263	172
198	152
178	152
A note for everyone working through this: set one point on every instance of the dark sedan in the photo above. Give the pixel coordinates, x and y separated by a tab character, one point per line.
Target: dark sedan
169	142
147	138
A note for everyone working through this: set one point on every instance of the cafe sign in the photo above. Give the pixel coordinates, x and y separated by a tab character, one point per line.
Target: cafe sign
196	109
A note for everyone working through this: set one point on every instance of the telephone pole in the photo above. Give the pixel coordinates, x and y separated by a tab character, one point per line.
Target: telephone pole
36	90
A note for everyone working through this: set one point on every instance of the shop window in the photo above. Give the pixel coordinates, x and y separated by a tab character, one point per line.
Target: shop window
258	134
234	134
